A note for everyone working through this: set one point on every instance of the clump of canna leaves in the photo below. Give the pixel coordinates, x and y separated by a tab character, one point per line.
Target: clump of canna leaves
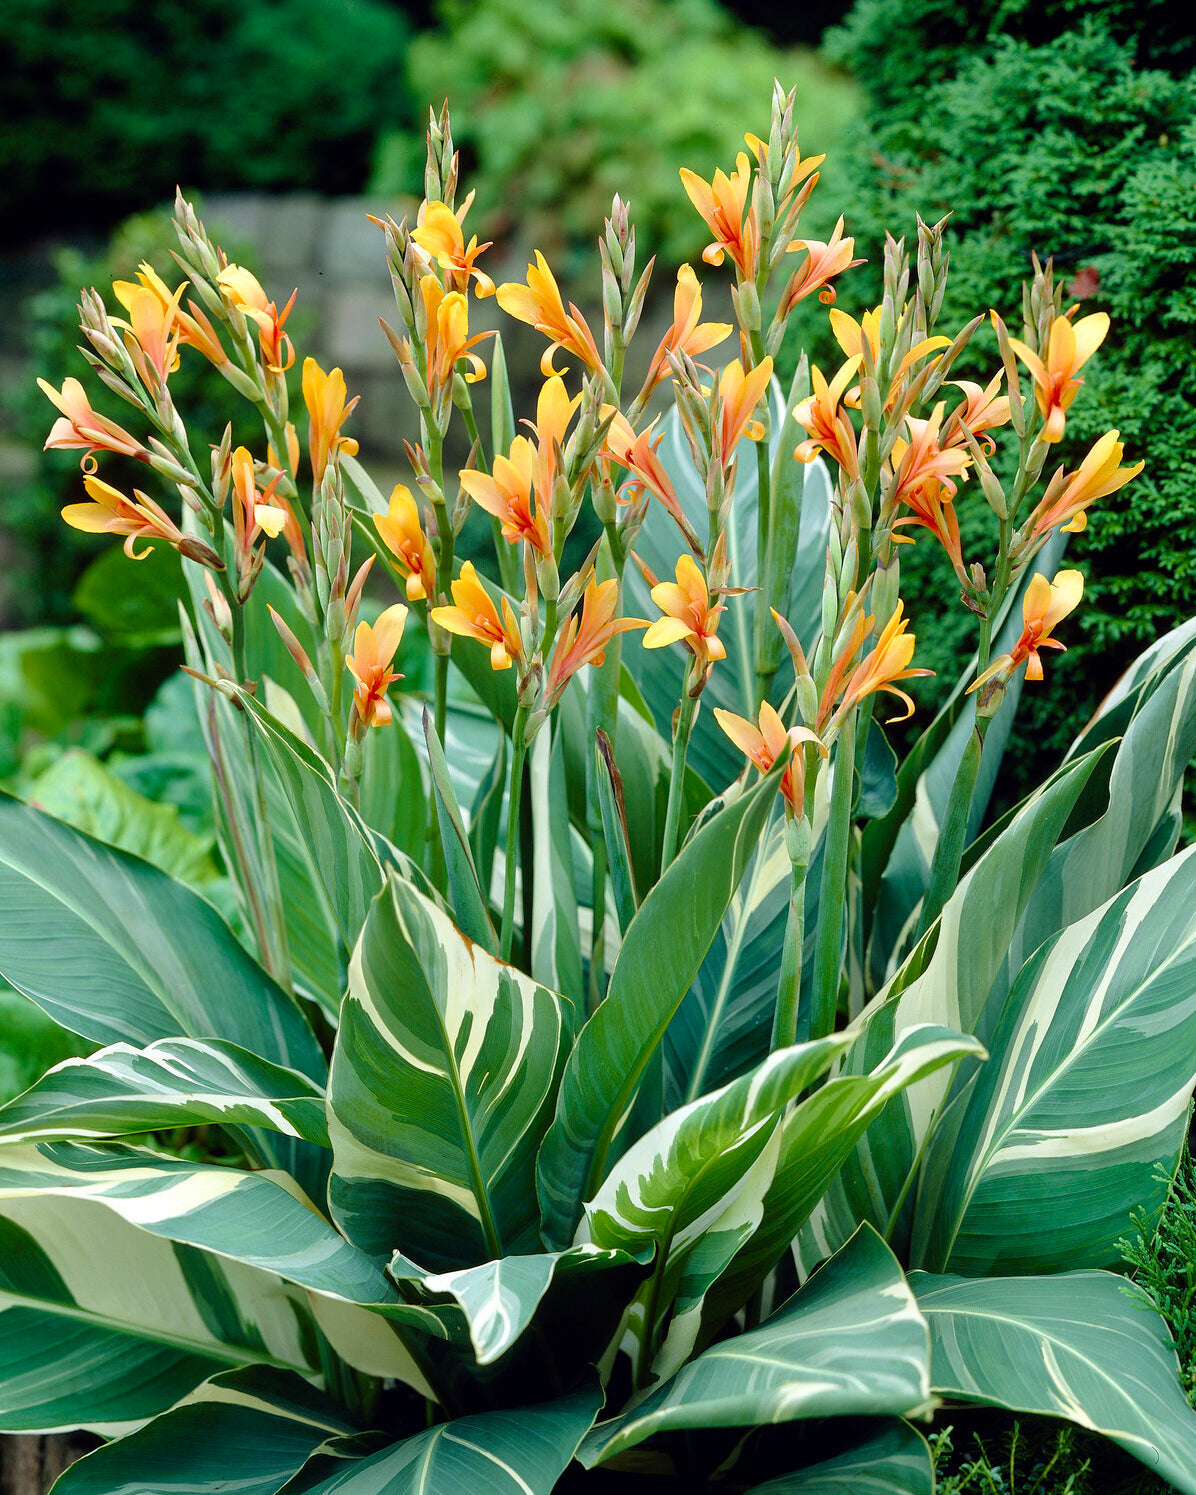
635	1071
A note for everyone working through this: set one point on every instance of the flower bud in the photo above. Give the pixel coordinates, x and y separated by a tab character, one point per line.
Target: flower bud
605	505
747	305
798	839
548	578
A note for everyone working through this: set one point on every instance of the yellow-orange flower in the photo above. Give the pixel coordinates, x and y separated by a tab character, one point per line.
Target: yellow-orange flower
240	288
509	493
82	428
1045	604
931	508
447	338
852	337
982	410
475	616
194	329
539	304
583	639
689	617
922	459
638	454
137	518
1069	347
688	334
254	513
1066	499
880	669
324	395
764	744
738	395
723	203
828	428
822	263
440	236
373	650
403	536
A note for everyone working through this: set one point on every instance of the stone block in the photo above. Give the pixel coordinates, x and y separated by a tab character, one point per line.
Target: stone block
289	235
351	249
351	336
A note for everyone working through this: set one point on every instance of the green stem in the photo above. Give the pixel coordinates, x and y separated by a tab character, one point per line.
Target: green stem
686	713
784	1026
953	834
514	793
832	896
602	712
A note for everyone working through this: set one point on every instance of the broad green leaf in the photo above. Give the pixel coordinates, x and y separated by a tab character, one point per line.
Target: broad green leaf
394	801
30	1043
80	790
521	1452
252	1218
660	956
946	980
851	1342
140	613
817	1139
244	1430
499	1299
468	899
1086	1093
116	951
120	1091
1086	1346
102	1324
891	1460
443	1078
732	685
555	943
615	833
485	816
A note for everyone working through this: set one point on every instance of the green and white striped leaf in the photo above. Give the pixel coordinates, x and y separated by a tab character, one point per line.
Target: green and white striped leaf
1098	860
244	1430
394	799
1086	1093
116	951
732	685
892	1460
1086	1346
555	944
946	980
103	1324
817	1139
522	1452
851	1342
443	1078
499	1299
659	958
121	1090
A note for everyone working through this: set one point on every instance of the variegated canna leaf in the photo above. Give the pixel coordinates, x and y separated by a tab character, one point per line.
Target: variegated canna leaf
1086	1346
120	1091
1061	1134
103	1324
443	1080
248	1430
892	1460
555	942
849	1343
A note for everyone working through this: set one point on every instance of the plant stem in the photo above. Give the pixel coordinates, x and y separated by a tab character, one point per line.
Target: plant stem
686	713
953	834
832	896
514	793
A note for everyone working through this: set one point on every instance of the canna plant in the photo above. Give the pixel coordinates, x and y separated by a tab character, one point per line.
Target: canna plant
622	1066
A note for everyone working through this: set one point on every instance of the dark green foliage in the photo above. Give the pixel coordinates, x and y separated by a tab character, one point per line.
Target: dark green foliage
1059	141
1162	1259
109	103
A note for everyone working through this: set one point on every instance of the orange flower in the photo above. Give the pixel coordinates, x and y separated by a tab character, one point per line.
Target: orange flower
982	410
1066	498
403	536
447	338
508	495
254	514
583	640
922	459
852	337
137	518
723	203
241	289
738	396
638	454
475	616
1045	604
768	742
688	617
932	509
1068	349
151	335
81	427
369	664
324	396
828	428
885	664
195	330
688	334
823	261
440	236
539	304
